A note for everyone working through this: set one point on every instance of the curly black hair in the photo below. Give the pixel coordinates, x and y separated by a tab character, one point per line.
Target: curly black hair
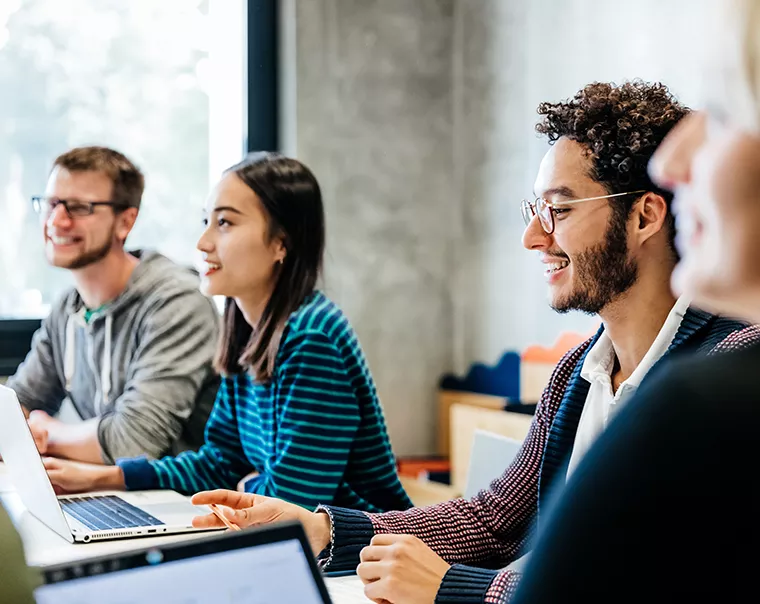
621	126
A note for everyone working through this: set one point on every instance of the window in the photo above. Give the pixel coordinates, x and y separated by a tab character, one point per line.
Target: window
161	81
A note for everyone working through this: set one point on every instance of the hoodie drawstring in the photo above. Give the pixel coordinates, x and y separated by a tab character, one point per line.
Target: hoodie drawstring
105	367
69	352
69	359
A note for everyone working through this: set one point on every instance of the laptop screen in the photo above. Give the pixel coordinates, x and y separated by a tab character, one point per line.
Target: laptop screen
274	572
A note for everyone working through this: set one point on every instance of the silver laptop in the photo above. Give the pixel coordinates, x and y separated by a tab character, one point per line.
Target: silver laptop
491	455
268	565
89	516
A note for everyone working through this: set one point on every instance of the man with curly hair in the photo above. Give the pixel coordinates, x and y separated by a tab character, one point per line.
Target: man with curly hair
605	234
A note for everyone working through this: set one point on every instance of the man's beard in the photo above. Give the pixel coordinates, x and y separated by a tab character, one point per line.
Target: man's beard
603	272
91	256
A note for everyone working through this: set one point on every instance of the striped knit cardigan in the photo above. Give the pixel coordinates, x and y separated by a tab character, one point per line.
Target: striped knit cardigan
492	529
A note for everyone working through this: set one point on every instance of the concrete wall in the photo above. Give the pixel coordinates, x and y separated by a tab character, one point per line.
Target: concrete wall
373	120
417	117
511	55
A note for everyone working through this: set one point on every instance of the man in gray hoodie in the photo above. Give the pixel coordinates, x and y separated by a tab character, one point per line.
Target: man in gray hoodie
131	346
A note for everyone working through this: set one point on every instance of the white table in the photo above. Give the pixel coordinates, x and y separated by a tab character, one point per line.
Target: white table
43	547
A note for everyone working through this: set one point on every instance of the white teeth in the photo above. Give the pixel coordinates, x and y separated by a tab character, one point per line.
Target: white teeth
61	240
213	267
556	266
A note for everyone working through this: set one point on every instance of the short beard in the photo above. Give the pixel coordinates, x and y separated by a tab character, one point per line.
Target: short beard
604	272
90	257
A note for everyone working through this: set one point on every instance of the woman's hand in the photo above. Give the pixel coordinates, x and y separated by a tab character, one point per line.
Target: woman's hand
76	477
246	510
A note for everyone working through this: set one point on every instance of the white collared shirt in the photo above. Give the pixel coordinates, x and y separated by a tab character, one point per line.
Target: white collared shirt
601	403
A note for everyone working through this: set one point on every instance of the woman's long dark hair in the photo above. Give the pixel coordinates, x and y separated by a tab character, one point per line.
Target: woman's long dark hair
292	201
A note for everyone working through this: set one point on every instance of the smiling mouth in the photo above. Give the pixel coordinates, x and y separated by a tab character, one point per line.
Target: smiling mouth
58	240
555	267
212	268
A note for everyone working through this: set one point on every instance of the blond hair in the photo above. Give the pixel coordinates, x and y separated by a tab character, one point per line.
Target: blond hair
734	67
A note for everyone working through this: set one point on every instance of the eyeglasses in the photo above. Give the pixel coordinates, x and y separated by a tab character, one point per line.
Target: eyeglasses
44	206
545	209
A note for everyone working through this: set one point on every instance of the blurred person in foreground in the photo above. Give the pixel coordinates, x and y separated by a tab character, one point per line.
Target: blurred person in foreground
16	579
665	505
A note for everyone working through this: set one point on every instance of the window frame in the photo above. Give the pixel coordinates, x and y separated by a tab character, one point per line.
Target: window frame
262	134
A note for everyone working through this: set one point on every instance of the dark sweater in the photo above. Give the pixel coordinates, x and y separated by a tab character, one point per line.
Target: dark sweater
664	507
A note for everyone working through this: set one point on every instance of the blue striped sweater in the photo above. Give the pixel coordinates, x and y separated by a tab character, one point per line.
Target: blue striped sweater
315	433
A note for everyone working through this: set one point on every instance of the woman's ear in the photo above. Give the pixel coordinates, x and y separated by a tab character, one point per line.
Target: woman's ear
280	251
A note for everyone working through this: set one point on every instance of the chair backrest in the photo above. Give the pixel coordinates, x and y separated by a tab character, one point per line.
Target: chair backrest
491	455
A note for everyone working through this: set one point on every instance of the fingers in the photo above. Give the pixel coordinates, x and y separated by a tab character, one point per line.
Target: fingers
56	479
383	539
373	553
52	463
208	521
56	473
381	547
231	499
40	436
243	518
60	490
246	517
378	592
371	571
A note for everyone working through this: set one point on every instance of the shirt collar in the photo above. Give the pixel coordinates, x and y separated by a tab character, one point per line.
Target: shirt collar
600	359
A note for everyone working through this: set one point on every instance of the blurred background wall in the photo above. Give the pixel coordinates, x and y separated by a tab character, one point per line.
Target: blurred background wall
417	117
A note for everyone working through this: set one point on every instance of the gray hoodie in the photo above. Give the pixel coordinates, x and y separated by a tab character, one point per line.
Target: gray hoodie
142	363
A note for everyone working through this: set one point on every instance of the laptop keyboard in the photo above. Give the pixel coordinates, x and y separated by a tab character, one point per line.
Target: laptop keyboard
106	513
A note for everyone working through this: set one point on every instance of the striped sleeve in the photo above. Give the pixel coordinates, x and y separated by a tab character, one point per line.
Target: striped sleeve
220	463
318	420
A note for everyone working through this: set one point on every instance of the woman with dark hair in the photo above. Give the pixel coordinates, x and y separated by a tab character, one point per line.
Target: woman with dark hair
297	409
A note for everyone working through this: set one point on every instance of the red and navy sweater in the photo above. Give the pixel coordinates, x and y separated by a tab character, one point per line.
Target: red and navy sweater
493	528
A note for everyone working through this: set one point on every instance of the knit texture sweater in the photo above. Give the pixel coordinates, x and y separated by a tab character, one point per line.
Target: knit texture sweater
484	534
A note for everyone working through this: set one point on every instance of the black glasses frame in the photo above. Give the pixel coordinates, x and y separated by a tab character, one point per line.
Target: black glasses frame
44	206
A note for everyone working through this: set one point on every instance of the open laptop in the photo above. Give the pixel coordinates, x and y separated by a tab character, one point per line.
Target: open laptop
89	516
271	564
491	454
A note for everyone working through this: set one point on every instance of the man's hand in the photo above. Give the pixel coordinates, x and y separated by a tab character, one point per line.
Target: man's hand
400	569
76	477
40	424
246	509
78	441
